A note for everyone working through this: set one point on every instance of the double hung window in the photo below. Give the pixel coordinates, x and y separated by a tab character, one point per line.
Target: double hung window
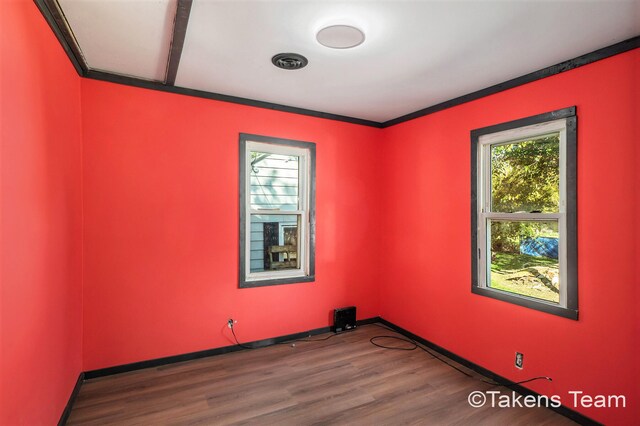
524	212
277	211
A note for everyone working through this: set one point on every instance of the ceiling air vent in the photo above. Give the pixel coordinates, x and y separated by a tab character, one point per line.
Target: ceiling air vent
289	61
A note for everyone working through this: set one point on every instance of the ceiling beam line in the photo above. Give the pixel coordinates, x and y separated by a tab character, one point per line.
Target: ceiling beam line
157	85
180	23
54	16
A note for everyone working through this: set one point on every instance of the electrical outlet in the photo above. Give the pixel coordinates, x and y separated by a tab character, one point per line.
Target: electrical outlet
230	322
519	360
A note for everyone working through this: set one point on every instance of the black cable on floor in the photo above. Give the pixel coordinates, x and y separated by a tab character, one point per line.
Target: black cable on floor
520	382
413	342
416	346
286	342
238	343
398	348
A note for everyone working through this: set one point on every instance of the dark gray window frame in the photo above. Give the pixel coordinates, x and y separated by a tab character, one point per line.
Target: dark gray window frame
311	147
571	310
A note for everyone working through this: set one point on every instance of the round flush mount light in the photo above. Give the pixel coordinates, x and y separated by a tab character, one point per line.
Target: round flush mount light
340	37
289	61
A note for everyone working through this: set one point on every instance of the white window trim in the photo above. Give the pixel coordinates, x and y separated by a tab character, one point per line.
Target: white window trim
484	213
304	179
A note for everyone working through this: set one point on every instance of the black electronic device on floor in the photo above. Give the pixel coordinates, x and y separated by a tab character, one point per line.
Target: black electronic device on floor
344	319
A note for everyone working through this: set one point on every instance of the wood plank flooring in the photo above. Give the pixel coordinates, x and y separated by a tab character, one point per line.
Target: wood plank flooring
342	380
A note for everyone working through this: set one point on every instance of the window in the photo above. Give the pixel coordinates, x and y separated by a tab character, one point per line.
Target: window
523	212
277	211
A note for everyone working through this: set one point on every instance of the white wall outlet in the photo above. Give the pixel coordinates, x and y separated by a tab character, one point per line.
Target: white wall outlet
519	360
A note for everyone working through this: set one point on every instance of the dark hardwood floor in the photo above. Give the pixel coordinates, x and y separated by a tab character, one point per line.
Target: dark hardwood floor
342	380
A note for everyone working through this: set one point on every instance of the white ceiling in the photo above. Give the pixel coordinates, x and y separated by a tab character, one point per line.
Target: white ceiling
130	37
416	53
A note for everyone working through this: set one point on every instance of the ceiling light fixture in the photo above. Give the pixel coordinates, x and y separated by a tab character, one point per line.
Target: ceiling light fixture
289	61
340	37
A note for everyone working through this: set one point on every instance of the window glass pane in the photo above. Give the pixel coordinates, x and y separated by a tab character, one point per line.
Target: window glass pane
274	181
525	176
274	242
524	258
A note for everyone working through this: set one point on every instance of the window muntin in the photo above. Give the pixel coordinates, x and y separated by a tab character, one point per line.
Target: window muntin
277	211
523	249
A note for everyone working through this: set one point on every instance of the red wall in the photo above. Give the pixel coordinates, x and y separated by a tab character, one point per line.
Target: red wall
426	275
161	225
153	177
40	291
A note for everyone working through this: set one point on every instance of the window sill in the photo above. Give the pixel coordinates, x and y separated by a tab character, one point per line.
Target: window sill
277	281
550	308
